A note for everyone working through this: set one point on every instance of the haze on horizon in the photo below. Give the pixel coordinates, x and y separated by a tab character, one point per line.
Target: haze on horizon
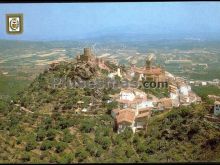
72	21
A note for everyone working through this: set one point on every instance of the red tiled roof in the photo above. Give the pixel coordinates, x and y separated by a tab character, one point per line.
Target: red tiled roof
146	114
166	102
144	109
152	71
125	115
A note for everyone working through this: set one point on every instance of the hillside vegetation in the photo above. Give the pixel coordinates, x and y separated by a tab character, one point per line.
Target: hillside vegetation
41	126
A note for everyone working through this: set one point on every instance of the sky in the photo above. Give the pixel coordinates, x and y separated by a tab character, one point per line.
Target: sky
72	21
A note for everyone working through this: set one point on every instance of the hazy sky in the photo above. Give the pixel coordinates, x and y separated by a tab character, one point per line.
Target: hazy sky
77	20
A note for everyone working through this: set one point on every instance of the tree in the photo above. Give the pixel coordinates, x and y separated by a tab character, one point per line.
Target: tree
127	133
30	145
46	145
91	148
53	159
144	157
118	140
86	126
81	154
112	105
140	147
66	158
41	134
67	137
25	157
51	134
64	123
105	142
129	152
98	151
118	152
60	147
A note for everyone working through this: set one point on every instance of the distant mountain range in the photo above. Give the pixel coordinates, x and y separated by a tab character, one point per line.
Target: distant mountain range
127	33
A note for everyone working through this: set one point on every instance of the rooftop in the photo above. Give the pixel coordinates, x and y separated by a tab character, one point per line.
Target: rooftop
217	102
125	115
166	102
135	101
143	115
151	71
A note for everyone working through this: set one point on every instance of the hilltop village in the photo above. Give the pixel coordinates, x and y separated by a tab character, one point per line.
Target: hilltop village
135	106
56	122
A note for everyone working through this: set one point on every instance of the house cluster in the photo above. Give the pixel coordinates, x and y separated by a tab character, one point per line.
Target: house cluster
215	82
135	106
133	109
148	72
180	92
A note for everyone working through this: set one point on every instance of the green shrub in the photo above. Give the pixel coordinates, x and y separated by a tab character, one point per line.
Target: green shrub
30	146
46	145
25	157
66	158
81	154
60	147
41	134
87	126
67	137
51	134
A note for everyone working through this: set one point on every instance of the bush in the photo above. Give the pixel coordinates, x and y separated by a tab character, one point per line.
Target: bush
184	112
129	152
140	147
51	134
81	154
53	159
41	134
105	142
118	152
144	157
46	145
127	133
102	131
93	149
118	140
112	105
60	147
66	158
86	126
30	146
47	123
67	137
14	131
25	157
64	124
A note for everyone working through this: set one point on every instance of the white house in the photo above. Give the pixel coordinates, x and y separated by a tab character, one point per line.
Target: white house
204	83
134	109
173	95
125	118
111	75
217	108
127	95
185	89
145	104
